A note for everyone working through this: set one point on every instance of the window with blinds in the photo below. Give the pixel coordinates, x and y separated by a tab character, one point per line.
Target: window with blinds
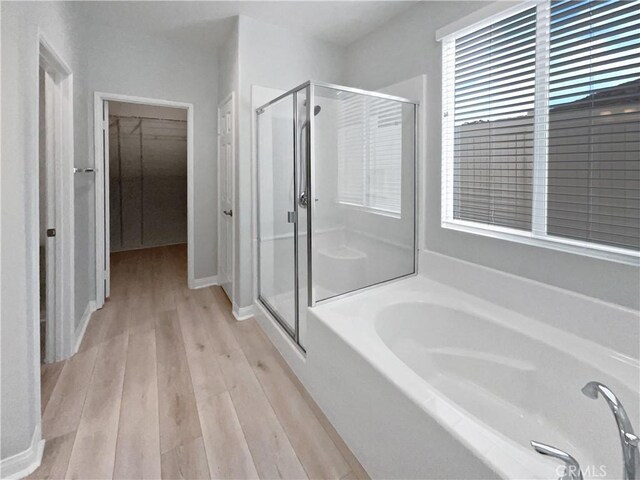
370	153
493	122
541	126
594	122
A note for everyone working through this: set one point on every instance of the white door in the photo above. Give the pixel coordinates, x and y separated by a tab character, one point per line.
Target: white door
226	155
107	202
48	213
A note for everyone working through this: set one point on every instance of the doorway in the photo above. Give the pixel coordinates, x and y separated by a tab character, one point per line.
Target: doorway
55	207
47	213
144	194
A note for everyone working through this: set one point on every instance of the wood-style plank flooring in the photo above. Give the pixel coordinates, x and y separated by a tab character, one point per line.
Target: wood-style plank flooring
167	384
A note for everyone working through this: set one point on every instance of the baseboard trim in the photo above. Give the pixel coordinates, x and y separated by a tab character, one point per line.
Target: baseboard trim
24	463
80	331
242	313
204	282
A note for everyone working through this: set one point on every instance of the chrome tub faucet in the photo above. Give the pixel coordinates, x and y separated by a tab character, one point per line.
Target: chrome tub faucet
628	439
571	467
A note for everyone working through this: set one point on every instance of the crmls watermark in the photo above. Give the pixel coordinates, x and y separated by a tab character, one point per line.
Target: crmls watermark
590	471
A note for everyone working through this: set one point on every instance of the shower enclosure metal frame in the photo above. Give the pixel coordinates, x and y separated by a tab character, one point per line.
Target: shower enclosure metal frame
309	86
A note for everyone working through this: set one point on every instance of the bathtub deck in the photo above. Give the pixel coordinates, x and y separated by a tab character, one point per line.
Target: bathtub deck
168	385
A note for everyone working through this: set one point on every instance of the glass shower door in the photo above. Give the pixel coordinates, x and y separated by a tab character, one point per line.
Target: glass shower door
277	230
336	197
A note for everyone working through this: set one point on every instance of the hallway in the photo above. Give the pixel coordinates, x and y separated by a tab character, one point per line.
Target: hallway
167	384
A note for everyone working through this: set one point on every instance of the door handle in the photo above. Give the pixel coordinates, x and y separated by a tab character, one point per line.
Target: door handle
229	213
51	232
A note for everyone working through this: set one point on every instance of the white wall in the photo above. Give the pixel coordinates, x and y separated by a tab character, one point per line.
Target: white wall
405	47
20	380
273	57
228	63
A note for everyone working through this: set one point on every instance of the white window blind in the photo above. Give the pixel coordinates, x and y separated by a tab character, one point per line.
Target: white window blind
352	150
494	122
594	122
370	153
541	126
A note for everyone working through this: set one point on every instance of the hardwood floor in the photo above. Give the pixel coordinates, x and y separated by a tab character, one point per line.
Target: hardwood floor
167	384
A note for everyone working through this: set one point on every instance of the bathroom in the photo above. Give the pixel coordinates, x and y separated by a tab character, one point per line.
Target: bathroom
422	217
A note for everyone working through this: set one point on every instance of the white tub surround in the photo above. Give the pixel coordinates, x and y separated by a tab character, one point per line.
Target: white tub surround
601	322
425	380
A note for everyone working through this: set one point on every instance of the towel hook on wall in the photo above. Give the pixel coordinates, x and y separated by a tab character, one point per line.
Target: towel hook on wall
83	170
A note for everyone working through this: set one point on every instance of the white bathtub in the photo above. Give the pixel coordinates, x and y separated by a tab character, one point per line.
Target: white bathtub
426	381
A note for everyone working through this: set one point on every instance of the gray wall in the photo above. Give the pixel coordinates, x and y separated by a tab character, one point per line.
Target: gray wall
145	66
405	47
140	65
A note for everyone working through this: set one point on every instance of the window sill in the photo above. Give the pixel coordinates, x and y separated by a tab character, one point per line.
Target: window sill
375	211
602	252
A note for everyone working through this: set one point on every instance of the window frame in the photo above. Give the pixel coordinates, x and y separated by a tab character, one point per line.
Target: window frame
538	236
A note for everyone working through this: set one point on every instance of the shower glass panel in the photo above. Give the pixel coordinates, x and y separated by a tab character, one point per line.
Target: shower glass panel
364	217
336	197
276	211
302	153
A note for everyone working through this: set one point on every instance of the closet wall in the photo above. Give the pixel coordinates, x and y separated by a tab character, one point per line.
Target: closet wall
147	176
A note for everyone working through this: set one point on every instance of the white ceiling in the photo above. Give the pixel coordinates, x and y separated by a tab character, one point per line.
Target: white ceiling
205	24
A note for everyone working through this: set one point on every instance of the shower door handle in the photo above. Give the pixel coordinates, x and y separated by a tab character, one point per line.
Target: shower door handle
302	167
302	183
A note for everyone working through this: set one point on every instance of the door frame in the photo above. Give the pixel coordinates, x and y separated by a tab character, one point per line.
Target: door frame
232	273
60	327
102	186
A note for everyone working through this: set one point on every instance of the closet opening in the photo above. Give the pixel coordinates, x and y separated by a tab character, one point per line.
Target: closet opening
146	174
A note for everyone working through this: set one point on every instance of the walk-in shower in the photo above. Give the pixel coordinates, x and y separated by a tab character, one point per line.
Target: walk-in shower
336	196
